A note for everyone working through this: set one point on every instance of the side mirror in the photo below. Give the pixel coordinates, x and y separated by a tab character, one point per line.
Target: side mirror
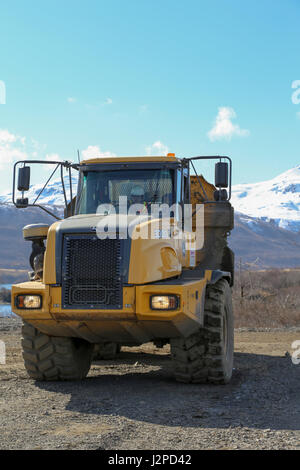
24	178
221	175
22	203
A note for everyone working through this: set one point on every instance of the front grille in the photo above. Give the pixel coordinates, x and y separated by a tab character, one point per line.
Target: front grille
91	273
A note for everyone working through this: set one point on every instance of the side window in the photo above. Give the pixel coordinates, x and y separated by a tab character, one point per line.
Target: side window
185	193
178	200
179	188
185	188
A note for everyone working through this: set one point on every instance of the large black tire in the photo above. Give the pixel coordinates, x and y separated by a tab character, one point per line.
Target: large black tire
104	351
207	355
228	263
53	358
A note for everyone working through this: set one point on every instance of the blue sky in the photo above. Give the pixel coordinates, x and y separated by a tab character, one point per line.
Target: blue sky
137	77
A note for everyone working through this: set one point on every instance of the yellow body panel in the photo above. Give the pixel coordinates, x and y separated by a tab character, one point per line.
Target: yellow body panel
153	259
150	259
32	287
189	305
35	231
49	259
128	159
128	311
134	323
197	193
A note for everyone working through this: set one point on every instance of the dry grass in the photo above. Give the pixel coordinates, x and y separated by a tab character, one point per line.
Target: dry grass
261	299
268	299
5	296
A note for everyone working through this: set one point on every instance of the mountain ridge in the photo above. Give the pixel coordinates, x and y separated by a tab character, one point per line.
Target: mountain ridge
276	200
267	222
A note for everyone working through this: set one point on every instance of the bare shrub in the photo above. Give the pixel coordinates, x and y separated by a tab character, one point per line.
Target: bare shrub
5	295
266	298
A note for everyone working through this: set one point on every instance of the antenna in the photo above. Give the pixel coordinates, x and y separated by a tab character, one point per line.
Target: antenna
78	154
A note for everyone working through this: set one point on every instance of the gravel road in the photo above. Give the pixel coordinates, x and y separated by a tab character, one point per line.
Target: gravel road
134	403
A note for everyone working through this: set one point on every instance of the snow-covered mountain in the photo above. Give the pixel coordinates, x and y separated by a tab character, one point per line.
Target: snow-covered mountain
252	240
263	243
267	221
52	195
276	201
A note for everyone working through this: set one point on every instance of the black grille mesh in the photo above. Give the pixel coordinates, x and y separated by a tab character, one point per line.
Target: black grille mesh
91	276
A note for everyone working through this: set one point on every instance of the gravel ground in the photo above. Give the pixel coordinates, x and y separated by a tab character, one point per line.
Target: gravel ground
134	403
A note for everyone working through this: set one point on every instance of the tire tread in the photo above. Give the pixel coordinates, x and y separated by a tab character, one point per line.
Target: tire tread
199	358
53	358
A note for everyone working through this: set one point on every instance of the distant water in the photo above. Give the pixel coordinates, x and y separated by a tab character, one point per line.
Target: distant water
5	310
5	286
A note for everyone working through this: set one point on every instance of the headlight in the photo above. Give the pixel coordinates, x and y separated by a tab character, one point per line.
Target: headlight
29	301
164	302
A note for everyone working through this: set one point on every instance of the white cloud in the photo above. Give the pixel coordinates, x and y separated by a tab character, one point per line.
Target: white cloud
157	149
107	102
71	99
93	151
35	144
14	147
10	150
9	155
6	137
224	128
53	157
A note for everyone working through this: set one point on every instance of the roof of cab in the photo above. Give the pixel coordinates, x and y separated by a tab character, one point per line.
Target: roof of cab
168	158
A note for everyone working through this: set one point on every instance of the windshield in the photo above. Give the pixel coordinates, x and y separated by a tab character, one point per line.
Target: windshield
139	186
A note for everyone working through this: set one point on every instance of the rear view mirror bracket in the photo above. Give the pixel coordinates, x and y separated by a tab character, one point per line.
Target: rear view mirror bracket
223	176
24	183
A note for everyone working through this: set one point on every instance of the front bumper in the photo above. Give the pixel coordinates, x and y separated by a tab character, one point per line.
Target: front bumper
135	323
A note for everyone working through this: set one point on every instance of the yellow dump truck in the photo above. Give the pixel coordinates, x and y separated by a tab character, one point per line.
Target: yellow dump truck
141	255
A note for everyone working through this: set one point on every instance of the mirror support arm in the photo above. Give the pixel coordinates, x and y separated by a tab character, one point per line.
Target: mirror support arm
68	165
212	157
